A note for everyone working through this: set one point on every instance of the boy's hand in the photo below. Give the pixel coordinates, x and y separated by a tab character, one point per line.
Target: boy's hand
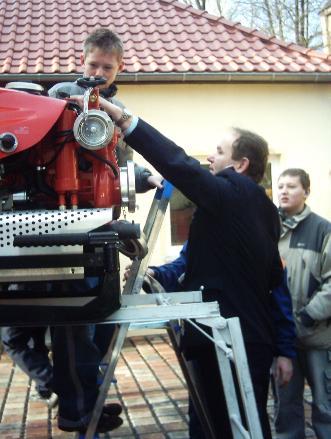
155	181
283	370
126	272
77	99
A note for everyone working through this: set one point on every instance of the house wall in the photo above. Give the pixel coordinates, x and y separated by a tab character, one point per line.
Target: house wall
294	118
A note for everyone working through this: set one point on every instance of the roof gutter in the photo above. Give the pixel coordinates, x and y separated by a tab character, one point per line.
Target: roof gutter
225	77
180	77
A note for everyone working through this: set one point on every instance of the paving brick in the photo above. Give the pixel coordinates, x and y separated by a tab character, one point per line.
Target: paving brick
152	427
154	398
153	436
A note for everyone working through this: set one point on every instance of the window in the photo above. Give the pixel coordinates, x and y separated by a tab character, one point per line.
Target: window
181	212
267	181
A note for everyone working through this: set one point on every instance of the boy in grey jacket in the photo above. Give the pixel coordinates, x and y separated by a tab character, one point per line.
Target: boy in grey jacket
305	245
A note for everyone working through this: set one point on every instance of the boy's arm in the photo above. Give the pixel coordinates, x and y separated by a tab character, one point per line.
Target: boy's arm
168	274
68	88
319	306
285	332
282	315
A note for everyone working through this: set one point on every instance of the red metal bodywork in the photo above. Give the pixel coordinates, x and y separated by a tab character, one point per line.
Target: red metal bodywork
27	116
43	127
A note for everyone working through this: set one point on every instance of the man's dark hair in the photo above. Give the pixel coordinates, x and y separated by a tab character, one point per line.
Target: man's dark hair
104	39
255	148
298	172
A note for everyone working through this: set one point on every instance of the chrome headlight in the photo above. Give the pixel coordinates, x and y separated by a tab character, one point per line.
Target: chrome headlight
93	130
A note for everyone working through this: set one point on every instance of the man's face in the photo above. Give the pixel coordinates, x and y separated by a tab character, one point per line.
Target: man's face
222	158
100	63
291	194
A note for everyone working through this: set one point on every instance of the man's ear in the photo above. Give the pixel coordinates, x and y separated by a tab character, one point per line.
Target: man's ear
121	66
242	165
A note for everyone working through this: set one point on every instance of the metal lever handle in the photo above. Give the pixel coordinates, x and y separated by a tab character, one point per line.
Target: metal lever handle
91	81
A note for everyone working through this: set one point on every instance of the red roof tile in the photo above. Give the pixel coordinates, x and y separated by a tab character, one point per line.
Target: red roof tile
165	36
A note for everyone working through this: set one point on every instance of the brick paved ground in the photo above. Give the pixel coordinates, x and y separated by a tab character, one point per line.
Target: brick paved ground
150	386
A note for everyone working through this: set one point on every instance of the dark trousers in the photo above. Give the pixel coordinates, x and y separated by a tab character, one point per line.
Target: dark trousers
208	379
26	347
102	335
77	354
76	363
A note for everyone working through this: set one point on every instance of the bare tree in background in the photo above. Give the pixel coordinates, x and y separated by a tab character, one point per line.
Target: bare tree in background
290	20
204	5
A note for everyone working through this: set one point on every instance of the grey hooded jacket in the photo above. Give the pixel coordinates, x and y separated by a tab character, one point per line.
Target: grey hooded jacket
305	245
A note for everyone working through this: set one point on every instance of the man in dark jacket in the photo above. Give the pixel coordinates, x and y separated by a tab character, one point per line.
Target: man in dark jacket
232	247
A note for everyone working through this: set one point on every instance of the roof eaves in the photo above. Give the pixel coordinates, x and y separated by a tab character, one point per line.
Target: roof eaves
190	77
186	77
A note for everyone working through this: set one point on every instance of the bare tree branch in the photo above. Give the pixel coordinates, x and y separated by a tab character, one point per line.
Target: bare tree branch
291	20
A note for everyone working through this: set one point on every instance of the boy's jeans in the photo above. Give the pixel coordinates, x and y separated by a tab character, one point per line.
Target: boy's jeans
315	366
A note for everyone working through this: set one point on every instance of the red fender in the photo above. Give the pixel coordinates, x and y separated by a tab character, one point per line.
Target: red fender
29	117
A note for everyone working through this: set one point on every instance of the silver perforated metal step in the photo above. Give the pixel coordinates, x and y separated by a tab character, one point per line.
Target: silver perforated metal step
41	222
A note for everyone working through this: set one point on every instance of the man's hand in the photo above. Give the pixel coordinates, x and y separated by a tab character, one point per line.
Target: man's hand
155	181
283	370
149	272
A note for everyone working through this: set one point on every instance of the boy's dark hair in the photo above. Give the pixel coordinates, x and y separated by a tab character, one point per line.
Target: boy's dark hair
104	39
298	172
255	148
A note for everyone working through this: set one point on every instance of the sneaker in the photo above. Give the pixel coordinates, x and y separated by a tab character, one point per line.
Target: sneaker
45	396
106	423
112	409
41	394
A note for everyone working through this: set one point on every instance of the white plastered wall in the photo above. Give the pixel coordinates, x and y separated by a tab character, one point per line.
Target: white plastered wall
294	118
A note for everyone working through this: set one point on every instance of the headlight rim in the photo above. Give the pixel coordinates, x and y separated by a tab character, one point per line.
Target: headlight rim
108	124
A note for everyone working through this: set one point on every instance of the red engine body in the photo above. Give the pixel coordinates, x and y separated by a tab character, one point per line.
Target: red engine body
47	163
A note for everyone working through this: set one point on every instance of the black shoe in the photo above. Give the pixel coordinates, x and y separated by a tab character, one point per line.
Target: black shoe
112	409
106	423
42	394
46	396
